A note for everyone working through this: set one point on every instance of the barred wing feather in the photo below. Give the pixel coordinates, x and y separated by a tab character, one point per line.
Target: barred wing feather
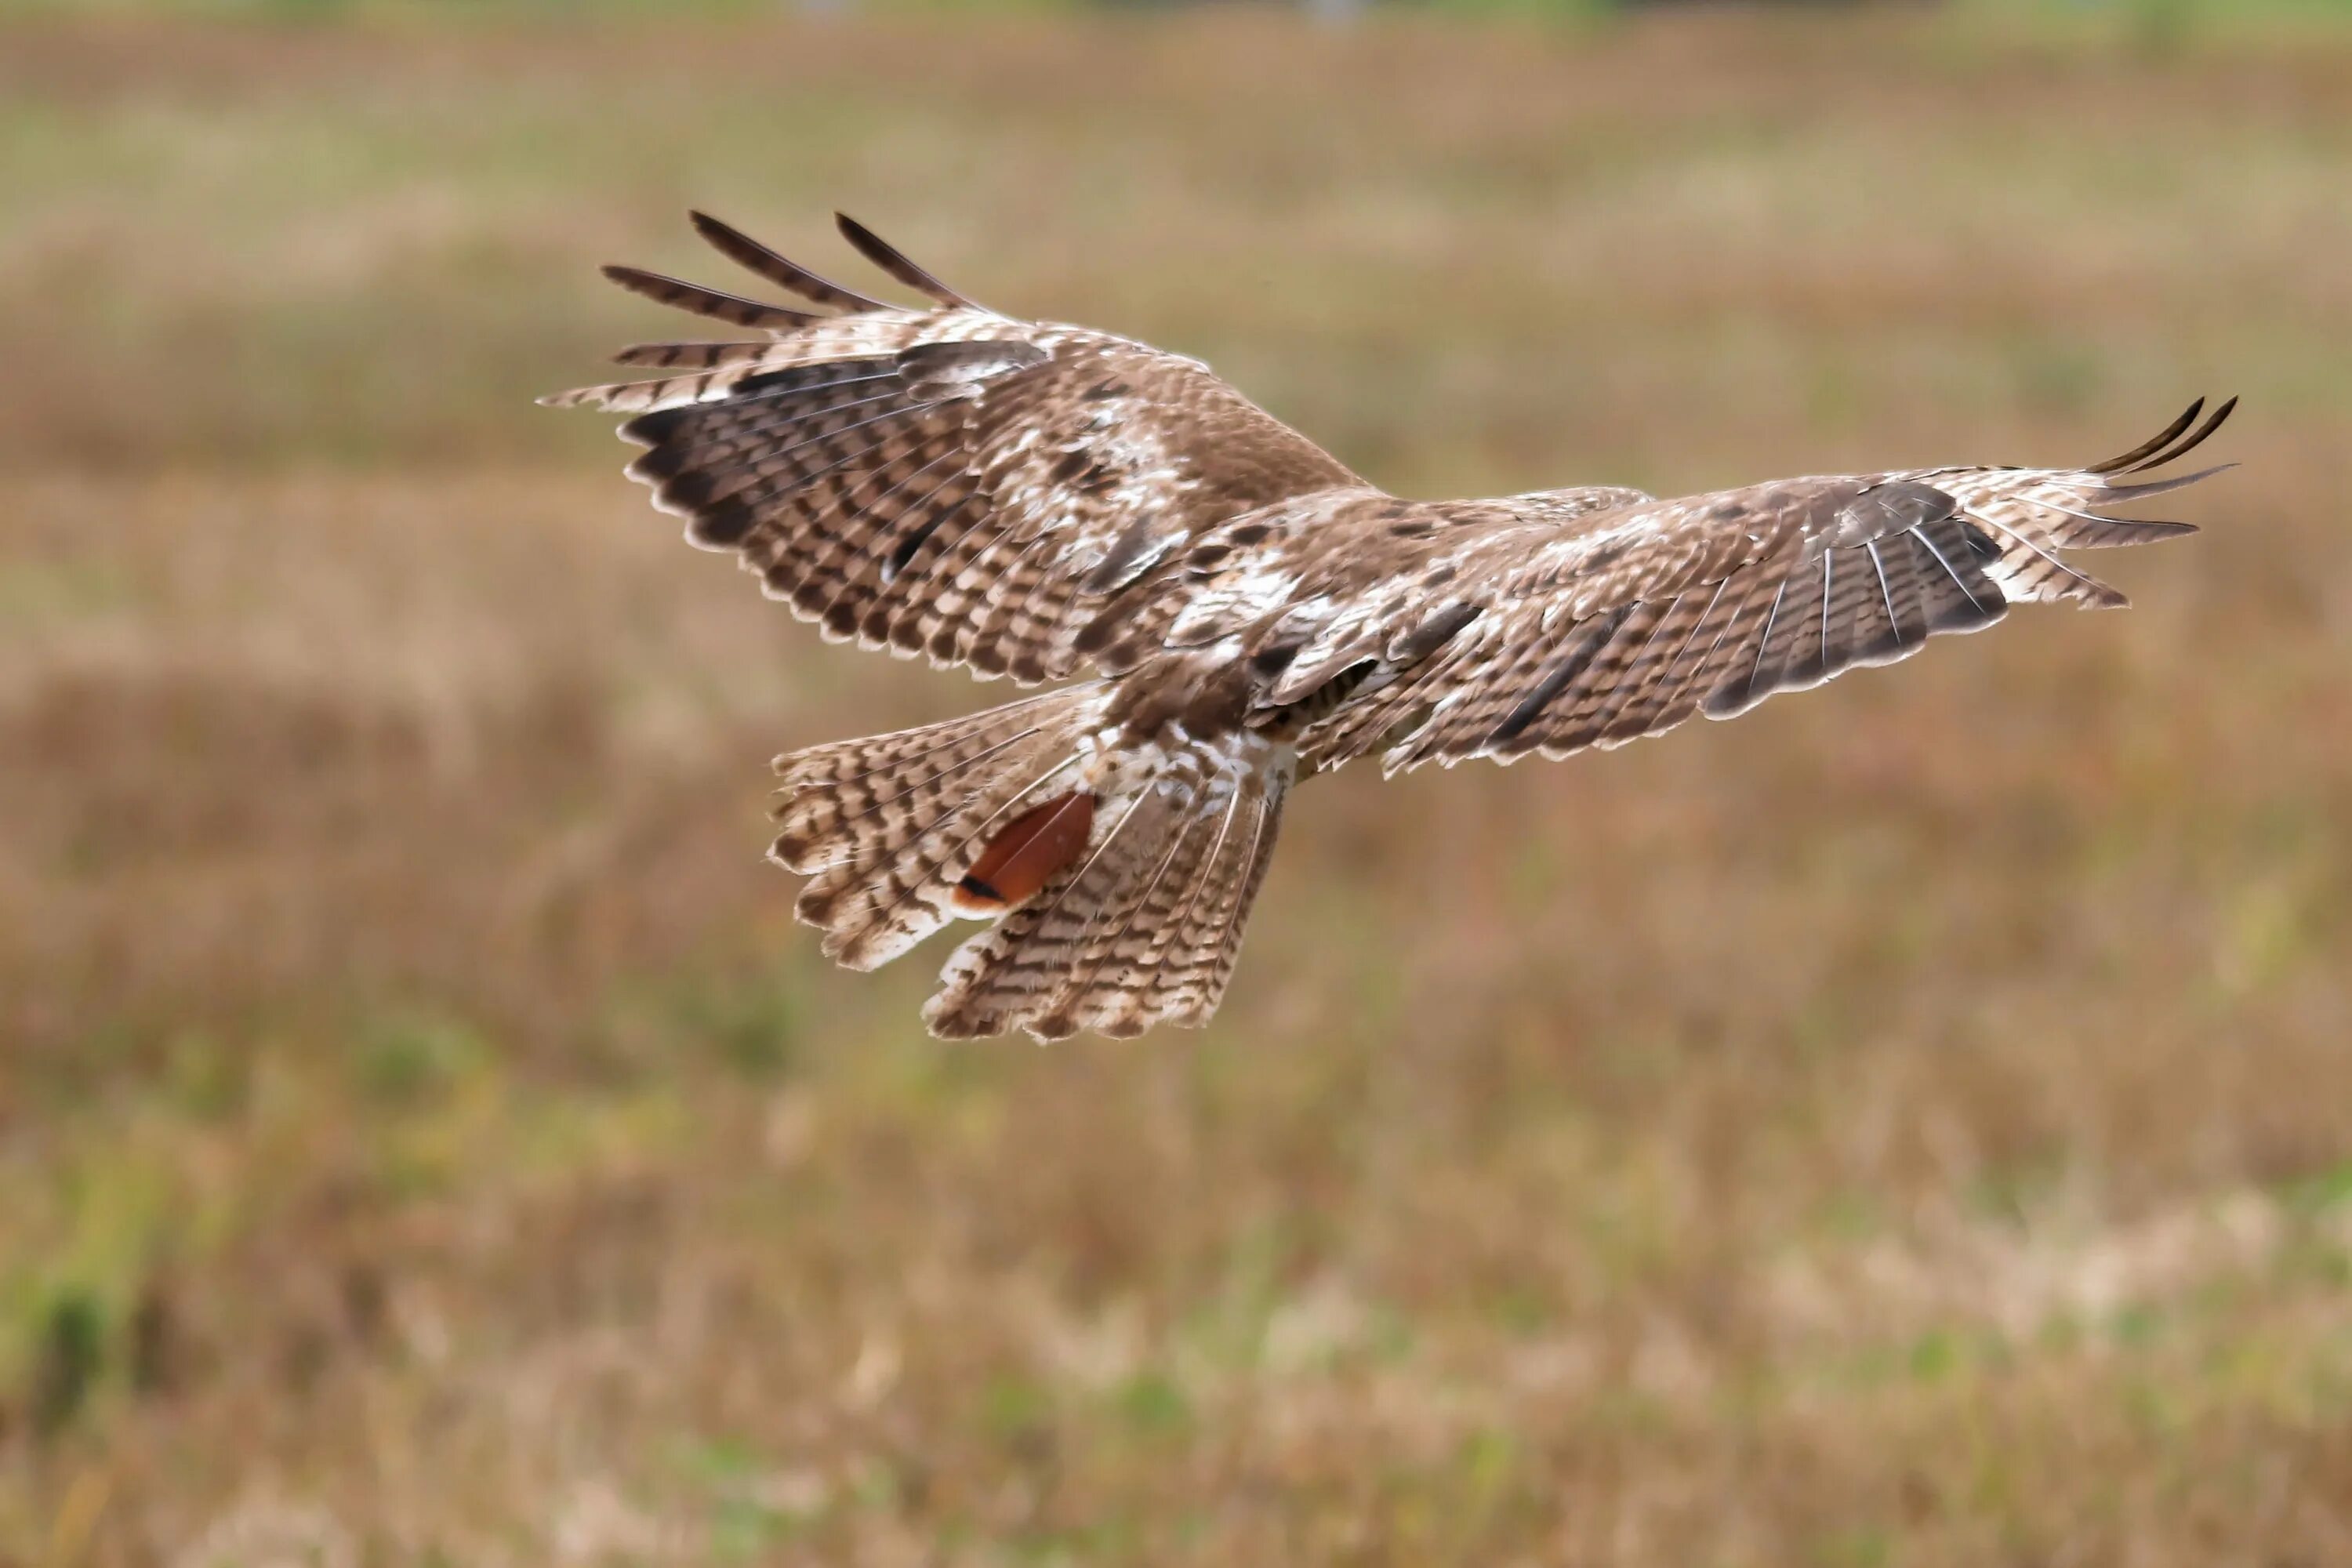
1044	501
944	481
1658	610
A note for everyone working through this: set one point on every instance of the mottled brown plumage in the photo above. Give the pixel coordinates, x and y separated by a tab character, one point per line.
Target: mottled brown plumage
1237	610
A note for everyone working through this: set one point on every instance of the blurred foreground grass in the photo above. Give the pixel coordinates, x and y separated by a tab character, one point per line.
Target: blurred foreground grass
1912	1125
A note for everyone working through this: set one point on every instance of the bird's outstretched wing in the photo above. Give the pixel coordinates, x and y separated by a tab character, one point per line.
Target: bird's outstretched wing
944	480
1505	633
1043	501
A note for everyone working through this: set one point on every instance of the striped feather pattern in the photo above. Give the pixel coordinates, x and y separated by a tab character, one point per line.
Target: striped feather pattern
945	482
1147	927
698	300
886	257
887	826
1039	501
839	804
1826	575
790	276
696	355
1039	965
1653	611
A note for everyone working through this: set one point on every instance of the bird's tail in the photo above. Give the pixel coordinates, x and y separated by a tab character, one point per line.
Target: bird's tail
1118	870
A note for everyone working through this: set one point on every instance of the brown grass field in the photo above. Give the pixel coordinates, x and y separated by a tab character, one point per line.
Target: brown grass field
1912	1125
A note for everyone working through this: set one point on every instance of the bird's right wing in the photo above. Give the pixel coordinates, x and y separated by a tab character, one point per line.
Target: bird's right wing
1554	640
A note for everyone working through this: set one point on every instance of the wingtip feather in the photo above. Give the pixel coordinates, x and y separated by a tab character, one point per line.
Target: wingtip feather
2171	444
760	260
894	261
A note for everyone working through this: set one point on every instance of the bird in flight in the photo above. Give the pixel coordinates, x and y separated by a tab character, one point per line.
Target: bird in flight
1233	611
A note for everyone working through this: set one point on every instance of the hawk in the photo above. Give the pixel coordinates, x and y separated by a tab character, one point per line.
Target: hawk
1232	610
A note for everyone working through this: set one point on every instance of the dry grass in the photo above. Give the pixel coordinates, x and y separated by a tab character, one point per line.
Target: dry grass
1912	1125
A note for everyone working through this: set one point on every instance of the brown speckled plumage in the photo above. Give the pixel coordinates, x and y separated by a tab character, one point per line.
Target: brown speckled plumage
1237	610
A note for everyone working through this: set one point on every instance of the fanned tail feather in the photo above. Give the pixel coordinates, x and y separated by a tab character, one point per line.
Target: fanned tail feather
1145	928
888	826
1135	918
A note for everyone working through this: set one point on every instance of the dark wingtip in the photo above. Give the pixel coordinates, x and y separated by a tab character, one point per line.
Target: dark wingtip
786	273
635	280
722	236
892	260
2123	462
2213	422
696	299
2170	445
718	232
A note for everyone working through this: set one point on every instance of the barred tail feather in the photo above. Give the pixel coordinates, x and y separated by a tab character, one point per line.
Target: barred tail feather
1118	872
888	826
1145	928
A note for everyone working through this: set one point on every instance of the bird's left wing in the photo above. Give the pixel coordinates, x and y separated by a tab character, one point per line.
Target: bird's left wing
942	480
1633	619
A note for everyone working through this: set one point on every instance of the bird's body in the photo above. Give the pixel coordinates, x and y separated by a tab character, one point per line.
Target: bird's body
1238	610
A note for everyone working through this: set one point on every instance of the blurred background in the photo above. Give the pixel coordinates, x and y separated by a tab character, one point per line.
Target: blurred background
1911	1125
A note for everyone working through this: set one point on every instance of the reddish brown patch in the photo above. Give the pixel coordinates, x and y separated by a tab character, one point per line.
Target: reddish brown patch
1024	857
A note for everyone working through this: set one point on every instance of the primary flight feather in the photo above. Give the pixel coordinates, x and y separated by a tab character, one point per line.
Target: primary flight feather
1049	502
